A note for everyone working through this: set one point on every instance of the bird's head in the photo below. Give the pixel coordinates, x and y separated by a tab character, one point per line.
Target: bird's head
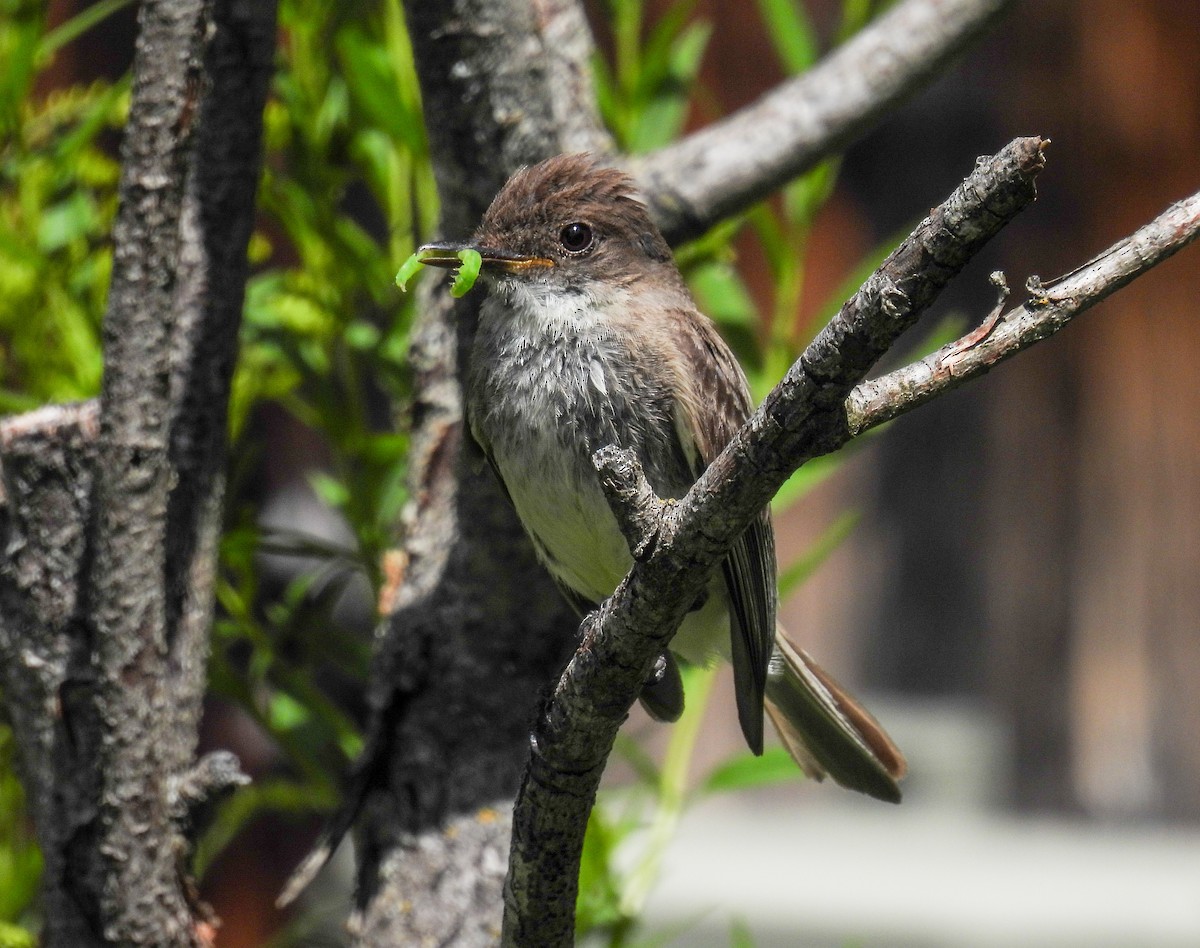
566	224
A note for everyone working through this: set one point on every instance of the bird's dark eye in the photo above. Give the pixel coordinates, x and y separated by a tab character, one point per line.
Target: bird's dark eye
576	237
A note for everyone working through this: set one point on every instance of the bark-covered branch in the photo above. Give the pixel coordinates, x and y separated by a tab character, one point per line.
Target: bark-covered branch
725	167
812	412
123	857
1051	307
803	417
114	506
46	476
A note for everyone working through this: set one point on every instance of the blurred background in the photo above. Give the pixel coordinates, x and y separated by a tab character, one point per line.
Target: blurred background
1009	575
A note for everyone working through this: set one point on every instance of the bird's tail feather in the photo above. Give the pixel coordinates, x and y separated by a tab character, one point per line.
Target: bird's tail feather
826	730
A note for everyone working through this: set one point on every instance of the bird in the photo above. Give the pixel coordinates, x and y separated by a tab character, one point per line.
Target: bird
589	337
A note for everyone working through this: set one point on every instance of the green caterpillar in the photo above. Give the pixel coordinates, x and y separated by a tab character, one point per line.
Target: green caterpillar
464	276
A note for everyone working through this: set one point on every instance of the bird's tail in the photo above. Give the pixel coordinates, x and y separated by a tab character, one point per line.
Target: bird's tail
825	730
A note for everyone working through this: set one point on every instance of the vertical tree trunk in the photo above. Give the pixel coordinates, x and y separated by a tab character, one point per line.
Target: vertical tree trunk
478	629
112	511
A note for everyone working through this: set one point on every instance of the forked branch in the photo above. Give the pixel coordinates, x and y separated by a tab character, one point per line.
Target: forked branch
1049	308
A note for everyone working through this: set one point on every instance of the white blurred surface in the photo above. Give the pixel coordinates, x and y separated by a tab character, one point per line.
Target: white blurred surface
864	876
815	867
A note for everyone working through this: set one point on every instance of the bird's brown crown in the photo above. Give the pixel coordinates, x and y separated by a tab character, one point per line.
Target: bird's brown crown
532	210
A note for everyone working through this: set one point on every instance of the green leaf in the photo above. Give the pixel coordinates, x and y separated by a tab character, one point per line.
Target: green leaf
747	771
65	222
817	553
658	50
14	936
672	794
286	713
663	115
808	194
333	492
363	335
372	85
791	32
598	903
627	33
20	858
814	473
740	935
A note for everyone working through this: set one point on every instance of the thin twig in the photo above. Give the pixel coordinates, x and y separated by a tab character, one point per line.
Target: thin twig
1051	307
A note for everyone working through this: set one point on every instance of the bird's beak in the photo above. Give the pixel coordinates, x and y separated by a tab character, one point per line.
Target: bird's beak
445	255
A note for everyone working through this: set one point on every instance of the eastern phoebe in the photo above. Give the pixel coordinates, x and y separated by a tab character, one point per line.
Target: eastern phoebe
589	337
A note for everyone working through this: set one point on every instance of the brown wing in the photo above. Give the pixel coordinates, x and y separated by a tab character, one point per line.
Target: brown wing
715	403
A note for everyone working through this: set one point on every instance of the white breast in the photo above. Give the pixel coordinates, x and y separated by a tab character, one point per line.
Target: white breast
545	393
548	386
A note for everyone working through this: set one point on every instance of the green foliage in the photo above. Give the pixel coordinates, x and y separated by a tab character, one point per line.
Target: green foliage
326	329
57	201
644	94
20	860
631	826
347	192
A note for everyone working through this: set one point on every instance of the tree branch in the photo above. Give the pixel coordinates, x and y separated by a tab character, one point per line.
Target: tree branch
218	218
129	865
1051	307
803	417
725	167
46	477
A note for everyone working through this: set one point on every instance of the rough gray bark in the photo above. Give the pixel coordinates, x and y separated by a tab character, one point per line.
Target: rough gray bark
122	854
44	660
112	510
218	218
